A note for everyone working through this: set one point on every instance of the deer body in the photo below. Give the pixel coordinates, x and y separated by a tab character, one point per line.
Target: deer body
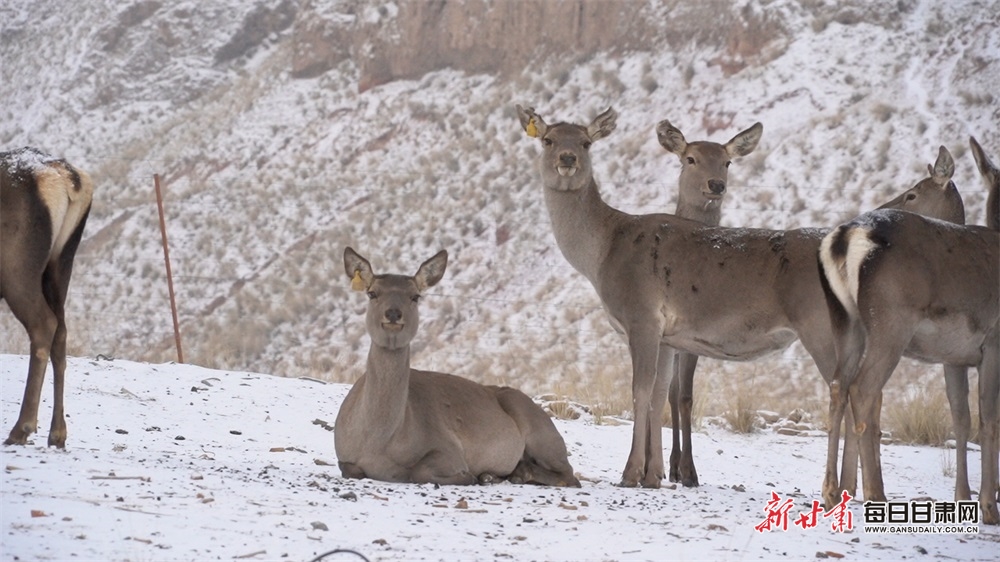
44	204
399	424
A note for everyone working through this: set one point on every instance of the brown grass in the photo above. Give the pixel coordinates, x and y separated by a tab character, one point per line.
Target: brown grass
921	417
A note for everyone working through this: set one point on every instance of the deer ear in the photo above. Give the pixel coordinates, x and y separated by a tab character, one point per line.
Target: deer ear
944	167
983	161
603	124
431	271
358	269
670	137
531	122
745	142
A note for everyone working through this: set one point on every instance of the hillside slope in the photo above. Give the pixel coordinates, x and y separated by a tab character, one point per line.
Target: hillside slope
275	154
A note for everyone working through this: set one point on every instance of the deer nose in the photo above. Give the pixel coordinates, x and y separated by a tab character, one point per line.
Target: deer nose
567	159
393	315
717	187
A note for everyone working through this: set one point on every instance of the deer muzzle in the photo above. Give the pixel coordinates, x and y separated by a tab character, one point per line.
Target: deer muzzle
567	164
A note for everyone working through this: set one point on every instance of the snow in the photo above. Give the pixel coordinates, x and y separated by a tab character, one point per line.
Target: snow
178	462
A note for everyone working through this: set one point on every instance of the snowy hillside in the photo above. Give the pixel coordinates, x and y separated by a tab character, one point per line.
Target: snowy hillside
268	176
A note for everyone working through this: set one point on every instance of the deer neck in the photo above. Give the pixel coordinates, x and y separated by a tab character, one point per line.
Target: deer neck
387	389
582	224
709	212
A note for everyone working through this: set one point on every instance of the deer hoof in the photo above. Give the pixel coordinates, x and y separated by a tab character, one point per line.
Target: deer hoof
628	483
17	437
990	516
57	440
652	482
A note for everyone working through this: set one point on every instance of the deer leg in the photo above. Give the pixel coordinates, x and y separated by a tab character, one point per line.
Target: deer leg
441	467
644	348
351	470
57	429
989	428
838	403
544	460
40	322
530	472
55	282
866	400
654	452
685	370
675	417
956	379
849	469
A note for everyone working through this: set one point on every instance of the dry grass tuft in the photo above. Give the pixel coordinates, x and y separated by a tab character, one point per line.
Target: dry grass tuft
921	417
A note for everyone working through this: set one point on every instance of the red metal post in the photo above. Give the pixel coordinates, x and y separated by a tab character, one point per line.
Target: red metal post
170	277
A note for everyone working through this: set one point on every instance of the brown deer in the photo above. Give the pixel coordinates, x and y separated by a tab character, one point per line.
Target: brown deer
897	283
44	204
399	424
670	283
701	192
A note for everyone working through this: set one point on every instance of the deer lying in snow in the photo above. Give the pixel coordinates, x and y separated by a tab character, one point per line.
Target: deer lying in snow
399	424
44	203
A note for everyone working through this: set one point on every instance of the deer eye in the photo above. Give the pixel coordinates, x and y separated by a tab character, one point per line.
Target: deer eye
586	145
690	160
415	298
372	295
911	196
728	162
547	142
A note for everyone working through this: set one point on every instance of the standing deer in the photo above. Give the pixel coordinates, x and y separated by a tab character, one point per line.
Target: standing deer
399	424
900	283
671	283
44	204
957	376
701	192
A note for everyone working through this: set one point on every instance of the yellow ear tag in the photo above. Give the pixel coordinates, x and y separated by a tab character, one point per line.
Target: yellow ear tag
531	129
356	283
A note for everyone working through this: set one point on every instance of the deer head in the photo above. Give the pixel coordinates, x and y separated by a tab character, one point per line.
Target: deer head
705	165
393	315
935	196
566	163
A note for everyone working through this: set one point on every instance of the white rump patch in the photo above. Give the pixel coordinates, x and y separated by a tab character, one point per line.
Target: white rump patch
65	204
859	247
844	275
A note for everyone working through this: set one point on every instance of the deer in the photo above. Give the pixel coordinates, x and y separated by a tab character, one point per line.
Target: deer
898	283
701	192
44	205
670	283
399	424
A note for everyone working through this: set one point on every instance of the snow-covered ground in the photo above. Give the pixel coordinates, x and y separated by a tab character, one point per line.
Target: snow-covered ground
177	462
